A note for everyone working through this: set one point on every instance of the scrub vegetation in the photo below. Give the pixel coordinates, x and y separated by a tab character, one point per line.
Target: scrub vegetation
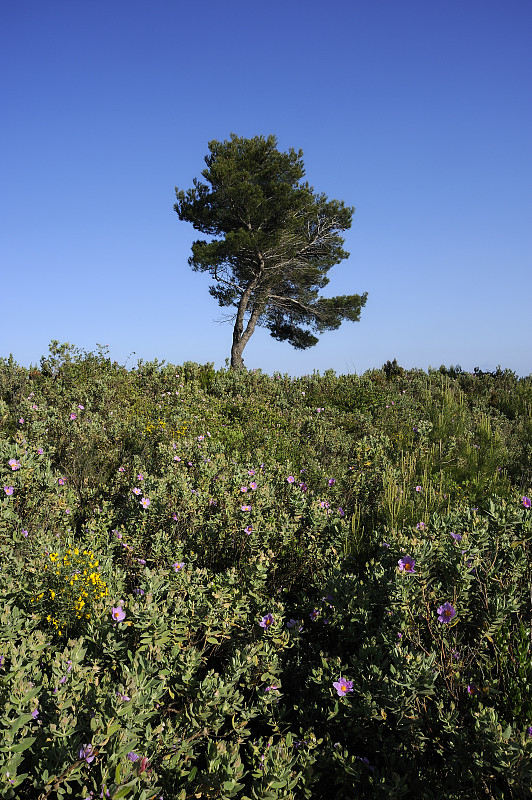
221	584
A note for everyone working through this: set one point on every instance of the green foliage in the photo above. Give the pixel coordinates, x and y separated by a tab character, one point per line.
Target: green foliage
250	535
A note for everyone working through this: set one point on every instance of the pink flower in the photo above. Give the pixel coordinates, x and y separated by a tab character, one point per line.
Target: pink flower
118	613
21	420
14	464
245	508
253	485
290	479
343	687
145	502
407	564
8	490
73	416
178	565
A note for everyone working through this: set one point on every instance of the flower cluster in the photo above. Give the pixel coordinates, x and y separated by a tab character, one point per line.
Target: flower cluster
72	586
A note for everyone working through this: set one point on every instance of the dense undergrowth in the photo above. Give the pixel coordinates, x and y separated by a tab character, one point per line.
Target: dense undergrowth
220	584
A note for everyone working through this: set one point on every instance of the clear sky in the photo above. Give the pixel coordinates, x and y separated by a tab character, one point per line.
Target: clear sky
418	113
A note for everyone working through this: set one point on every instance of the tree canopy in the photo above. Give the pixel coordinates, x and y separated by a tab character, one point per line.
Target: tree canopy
275	239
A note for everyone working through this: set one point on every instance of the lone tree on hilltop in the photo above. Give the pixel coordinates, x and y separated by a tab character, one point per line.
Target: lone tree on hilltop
275	241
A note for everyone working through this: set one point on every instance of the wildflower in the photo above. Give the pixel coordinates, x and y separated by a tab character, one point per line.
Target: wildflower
176	458
178	565
81	408
314	614
343	686
271	688
406	564
446	612
457	537
175	517
35	713
21	420
324	504
123	697
249	529
421	526
40	451
529	731
418	488
266	621
251	471
136	491
341	511
366	763
8	490
121	469
455	654
118	613
245	508
25	534
73	416
253	485
14	464
141	561
61	481
87	752
303	487
140	476
145	502
243	488
527	502
291	623
290	479
331	481
133	756
472	688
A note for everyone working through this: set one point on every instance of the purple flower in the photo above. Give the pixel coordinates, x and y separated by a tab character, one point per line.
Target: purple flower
136	491
8	490
243	488
123	697
61	481
14	464
421	526
472	688
331	481
343	686
529	731
406	564
290	479
40	451
133	756
271	688
145	502
35	713
251	471
81	408
527	502
118	613
178	565
121	469
291	623
457	537
266	621
140	476
303	487
341	511
366	763
314	614
446	612
25	534
418	488
253	485
324	504
86	752
73	416
21	420
246	508
141	561
248	530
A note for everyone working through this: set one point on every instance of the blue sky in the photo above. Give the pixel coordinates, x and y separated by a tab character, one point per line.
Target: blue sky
417	113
